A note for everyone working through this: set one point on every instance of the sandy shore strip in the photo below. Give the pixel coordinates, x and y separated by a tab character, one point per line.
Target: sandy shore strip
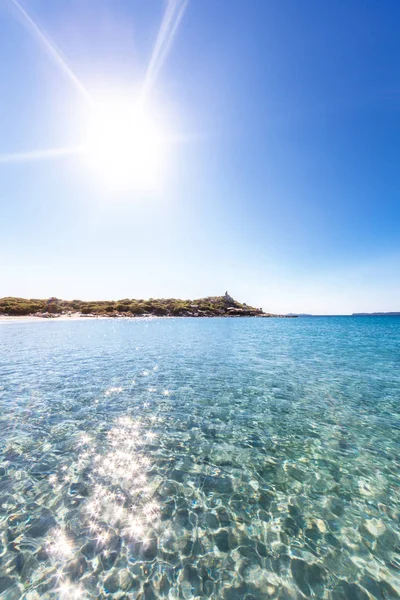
72	317
33	319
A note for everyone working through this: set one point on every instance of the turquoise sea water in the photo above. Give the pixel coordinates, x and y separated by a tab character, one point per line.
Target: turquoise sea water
200	458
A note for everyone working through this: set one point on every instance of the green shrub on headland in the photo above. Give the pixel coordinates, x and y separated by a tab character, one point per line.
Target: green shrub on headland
204	307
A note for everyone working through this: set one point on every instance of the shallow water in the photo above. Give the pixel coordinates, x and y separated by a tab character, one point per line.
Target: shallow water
211	458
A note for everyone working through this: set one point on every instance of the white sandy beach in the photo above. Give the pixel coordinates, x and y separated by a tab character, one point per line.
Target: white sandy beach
72	317
32	319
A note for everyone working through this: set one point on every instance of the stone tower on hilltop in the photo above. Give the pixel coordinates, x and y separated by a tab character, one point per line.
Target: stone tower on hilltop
228	299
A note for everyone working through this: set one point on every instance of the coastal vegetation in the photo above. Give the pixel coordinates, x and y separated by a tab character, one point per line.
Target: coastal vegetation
212	306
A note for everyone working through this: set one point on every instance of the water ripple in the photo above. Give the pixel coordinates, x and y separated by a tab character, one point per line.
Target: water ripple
200	459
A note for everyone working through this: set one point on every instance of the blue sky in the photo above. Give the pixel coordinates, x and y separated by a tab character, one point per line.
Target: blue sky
282	175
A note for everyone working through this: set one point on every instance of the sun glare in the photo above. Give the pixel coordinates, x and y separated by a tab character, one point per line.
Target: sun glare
125	146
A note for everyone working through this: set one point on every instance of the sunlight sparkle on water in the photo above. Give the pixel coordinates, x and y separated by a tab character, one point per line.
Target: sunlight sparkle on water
60	545
69	591
120	501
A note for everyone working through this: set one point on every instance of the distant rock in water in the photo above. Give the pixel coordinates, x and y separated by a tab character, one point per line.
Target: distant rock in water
211	306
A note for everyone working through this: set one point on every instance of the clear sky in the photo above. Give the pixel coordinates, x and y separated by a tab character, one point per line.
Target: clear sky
280	152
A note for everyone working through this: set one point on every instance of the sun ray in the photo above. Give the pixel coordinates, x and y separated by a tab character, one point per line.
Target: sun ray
18	157
167	32
53	51
124	142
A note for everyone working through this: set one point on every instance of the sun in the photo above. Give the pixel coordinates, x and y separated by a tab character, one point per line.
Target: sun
124	145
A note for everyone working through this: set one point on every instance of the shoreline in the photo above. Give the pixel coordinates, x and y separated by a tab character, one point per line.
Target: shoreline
72	317
78	317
